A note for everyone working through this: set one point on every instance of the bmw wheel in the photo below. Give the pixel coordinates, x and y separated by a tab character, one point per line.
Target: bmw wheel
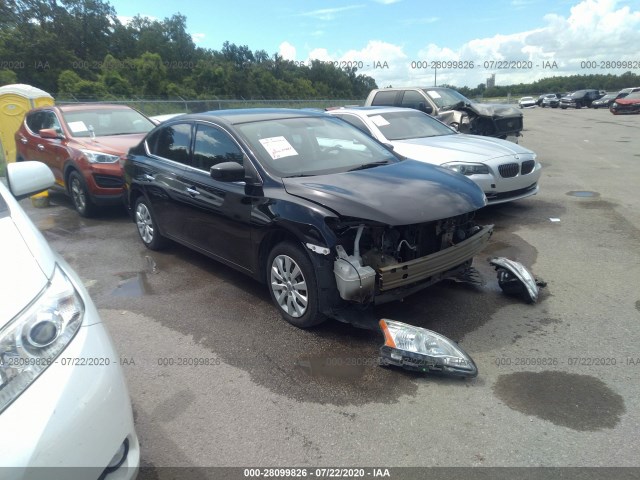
80	195
147	226
293	286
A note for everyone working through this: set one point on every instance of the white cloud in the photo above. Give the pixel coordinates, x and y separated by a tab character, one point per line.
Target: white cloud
320	54
198	37
124	20
387	2
287	51
327	14
595	30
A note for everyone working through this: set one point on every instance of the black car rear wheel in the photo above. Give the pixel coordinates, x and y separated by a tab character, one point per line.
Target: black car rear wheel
293	285
80	195
147	226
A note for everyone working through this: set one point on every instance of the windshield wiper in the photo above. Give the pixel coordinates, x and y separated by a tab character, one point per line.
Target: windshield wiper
369	165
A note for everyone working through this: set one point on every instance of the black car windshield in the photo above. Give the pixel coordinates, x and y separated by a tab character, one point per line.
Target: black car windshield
409	124
445	97
306	146
104	122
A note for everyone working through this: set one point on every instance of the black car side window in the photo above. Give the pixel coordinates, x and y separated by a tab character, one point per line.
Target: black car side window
214	146
172	142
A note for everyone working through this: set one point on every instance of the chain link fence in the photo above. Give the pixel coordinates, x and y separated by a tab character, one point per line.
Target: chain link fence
162	106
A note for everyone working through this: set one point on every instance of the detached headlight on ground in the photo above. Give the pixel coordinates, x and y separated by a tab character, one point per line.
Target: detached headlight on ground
467	168
423	350
32	341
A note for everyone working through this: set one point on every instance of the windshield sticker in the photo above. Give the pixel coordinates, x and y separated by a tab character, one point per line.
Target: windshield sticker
77	127
278	147
434	94
379	121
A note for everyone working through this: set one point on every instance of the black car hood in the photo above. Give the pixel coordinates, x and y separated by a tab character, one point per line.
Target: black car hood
493	110
402	193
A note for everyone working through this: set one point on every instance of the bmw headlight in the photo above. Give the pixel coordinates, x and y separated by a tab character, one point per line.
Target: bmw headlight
423	350
31	341
99	157
467	168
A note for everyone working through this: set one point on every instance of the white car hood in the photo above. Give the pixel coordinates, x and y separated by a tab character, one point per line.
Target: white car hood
27	261
458	147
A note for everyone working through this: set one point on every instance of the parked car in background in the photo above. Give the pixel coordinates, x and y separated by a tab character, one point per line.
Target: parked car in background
82	145
579	99
305	203
551	100
605	101
627	105
505	171
454	109
539	100
527	102
626	91
64	403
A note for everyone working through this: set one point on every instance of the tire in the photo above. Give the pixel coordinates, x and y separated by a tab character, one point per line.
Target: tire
147	226
80	195
293	286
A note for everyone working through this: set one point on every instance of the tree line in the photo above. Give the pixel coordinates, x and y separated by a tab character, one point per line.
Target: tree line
80	48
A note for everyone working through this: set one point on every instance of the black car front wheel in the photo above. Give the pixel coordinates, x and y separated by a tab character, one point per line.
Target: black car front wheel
293	285
147	226
80	195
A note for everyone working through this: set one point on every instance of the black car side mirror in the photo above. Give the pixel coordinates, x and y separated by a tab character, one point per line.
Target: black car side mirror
227	172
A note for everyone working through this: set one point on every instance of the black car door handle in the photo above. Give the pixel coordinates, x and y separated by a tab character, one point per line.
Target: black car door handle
148	177
192	191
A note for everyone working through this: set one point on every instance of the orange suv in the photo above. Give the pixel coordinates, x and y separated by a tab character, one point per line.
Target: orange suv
82	144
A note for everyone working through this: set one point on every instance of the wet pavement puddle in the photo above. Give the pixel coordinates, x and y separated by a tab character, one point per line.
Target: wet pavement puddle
579	402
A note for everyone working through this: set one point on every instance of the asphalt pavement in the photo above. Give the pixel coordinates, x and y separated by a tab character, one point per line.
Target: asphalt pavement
217	378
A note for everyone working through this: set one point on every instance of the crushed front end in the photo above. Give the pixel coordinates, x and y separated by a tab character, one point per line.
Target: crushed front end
377	263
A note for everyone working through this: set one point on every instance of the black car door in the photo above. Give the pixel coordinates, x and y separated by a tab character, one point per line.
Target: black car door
216	214
162	175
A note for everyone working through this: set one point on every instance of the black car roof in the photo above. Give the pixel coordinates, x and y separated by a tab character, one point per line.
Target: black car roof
245	115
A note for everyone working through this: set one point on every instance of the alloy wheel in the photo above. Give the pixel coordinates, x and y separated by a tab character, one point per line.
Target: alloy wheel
289	286
144	223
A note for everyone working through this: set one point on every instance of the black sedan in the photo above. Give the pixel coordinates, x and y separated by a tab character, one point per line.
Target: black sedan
318	210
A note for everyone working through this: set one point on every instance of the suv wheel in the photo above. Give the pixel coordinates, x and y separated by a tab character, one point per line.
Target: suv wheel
293	286
80	195
147	226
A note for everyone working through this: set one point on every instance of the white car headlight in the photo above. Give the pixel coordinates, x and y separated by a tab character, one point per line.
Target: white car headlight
467	168
32	340
99	157
417	348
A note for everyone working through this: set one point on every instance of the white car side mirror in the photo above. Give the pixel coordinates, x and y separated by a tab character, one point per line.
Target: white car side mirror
28	178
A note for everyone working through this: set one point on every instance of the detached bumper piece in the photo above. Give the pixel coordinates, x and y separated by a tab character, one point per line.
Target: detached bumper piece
414	271
418	349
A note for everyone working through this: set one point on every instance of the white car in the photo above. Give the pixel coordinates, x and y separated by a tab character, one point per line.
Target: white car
527	102
504	170
64	403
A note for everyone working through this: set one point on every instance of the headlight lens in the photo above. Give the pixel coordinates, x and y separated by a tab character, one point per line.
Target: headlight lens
424	350
32	341
99	157
467	168
614	104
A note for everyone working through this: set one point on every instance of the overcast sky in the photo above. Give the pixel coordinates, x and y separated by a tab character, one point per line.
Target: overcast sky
399	37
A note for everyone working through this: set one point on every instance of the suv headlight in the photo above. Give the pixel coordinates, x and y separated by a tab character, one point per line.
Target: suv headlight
99	157
32	340
467	168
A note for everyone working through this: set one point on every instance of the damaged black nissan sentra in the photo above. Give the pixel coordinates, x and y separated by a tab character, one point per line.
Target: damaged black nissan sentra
323	214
